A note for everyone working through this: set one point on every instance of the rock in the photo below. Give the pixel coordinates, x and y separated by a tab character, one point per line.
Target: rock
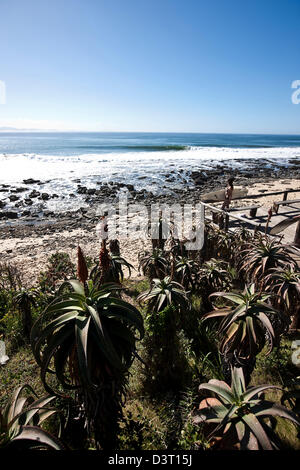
28	202
48	214
170	179
34	193
20	190
45	196
31	181
81	190
91	191
2	204
26	213
8	215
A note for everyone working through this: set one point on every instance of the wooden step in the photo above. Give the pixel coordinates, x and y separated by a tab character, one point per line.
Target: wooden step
284	203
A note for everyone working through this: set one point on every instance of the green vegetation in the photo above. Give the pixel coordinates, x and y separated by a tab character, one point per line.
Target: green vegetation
122	363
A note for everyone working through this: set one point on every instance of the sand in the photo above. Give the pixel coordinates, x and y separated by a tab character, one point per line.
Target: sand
30	253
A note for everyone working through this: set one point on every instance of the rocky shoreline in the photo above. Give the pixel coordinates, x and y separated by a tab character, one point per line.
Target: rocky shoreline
28	240
28	203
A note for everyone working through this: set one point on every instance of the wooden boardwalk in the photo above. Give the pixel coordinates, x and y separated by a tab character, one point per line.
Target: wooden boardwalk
284	212
286	236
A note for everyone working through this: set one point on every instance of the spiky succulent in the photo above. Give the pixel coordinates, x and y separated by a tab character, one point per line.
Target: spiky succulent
87	338
186	271
21	420
213	275
242	414
285	284
164	292
25	299
260	258
244	326
155	264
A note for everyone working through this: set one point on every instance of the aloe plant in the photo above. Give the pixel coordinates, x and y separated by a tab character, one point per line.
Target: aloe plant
90	336
21	420
213	275
291	395
24	299
154	265
114	271
285	284
185	271
260	258
163	293
244	326
109	267
241	414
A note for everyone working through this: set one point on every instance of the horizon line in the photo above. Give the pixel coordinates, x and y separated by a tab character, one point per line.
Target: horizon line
32	130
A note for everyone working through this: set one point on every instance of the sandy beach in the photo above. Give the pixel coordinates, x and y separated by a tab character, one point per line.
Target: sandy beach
29	246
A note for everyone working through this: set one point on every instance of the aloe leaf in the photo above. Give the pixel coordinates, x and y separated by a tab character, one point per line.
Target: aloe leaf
34	436
258	431
219	390
104	342
81	334
247	439
272	409
51	328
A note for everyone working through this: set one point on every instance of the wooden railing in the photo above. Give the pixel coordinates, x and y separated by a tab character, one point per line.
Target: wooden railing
256	196
227	216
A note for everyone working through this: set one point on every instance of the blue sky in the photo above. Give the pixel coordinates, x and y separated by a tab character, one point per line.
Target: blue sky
150	65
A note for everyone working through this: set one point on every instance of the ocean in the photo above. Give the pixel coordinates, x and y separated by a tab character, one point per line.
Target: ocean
145	160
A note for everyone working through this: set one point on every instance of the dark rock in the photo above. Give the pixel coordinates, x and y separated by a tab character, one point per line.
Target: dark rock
8	215
31	181
34	193
82	189
45	196
2	204
91	191
28	202
26	213
48	214
19	190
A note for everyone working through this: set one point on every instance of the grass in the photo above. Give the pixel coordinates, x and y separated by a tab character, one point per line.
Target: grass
20	369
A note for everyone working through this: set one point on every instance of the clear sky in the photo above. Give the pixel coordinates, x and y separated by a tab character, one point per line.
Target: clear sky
150	65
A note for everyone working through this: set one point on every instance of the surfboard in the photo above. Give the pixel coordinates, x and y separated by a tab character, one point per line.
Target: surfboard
284	224
220	195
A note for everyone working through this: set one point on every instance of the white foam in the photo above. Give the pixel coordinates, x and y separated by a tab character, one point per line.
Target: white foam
129	167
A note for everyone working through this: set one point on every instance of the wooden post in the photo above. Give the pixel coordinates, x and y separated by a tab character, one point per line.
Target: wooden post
226	223
221	221
253	212
297	235
285	194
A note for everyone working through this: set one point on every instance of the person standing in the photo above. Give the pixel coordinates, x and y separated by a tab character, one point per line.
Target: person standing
228	194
